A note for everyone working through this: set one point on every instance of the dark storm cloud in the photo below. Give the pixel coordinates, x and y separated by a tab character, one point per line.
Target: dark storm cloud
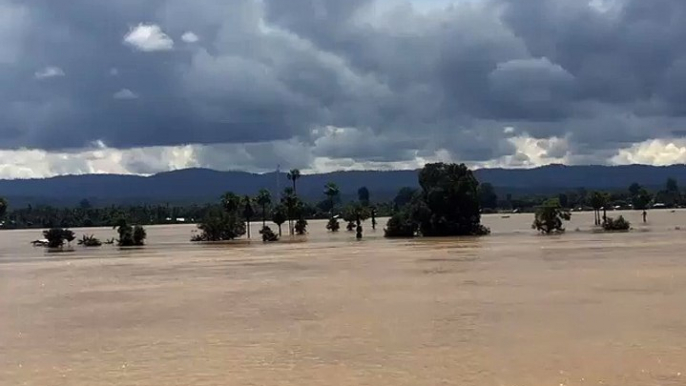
396	80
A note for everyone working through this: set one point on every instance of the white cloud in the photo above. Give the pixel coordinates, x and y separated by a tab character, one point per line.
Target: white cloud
190	37
124	94
659	152
49	72
531	152
149	38
31	163
114	71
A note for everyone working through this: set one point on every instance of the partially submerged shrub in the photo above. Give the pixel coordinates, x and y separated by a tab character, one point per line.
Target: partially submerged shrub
220	226
550	216
130	236
618	225
401	225
333	225
268	235
57	236
301	227
90	241
139	235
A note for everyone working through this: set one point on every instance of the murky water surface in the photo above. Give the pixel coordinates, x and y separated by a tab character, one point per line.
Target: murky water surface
513	308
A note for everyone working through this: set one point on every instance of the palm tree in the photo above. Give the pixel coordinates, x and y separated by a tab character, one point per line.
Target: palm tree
294	175
290	200
331	191
598	201
279	216
248	211
264	199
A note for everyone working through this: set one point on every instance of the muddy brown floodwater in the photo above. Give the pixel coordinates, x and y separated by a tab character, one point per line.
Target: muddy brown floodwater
513	308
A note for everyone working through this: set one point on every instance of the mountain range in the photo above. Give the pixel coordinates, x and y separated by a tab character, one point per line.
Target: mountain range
203	185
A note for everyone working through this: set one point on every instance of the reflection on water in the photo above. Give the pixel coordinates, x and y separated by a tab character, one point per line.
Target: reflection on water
513	308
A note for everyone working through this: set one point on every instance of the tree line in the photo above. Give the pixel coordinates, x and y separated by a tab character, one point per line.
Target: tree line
448	202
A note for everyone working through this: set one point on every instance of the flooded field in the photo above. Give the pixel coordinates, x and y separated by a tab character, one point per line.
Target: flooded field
513	308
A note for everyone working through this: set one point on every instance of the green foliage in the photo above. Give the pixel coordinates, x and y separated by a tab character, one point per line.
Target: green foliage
268	235
618	225
634	189
450	195
350	226
333	225
51	217
331	191
598	201
139	235
487	197
3	207
448	205
90	241
248	212
57	236
231	202
404	197
641	199
220	226
279	216
401	225
294	175
130	236
264	200
301	226
550	216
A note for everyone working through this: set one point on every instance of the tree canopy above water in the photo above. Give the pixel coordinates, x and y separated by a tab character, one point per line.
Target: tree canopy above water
447	205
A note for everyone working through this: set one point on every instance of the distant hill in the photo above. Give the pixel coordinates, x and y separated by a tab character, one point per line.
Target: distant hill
202	185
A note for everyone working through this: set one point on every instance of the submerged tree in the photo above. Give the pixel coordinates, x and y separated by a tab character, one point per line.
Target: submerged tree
248	212
220	225
57	237
598	202
618	225
331	191
90	241
301	226
290	201
354	214
450	193
130	236
225	223
279	216
447	205
268	235
401	225
264	200
550	217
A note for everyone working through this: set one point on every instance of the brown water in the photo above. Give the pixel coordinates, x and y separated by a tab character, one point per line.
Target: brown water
513	308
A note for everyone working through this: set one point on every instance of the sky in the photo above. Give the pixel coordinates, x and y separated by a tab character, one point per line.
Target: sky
146	86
